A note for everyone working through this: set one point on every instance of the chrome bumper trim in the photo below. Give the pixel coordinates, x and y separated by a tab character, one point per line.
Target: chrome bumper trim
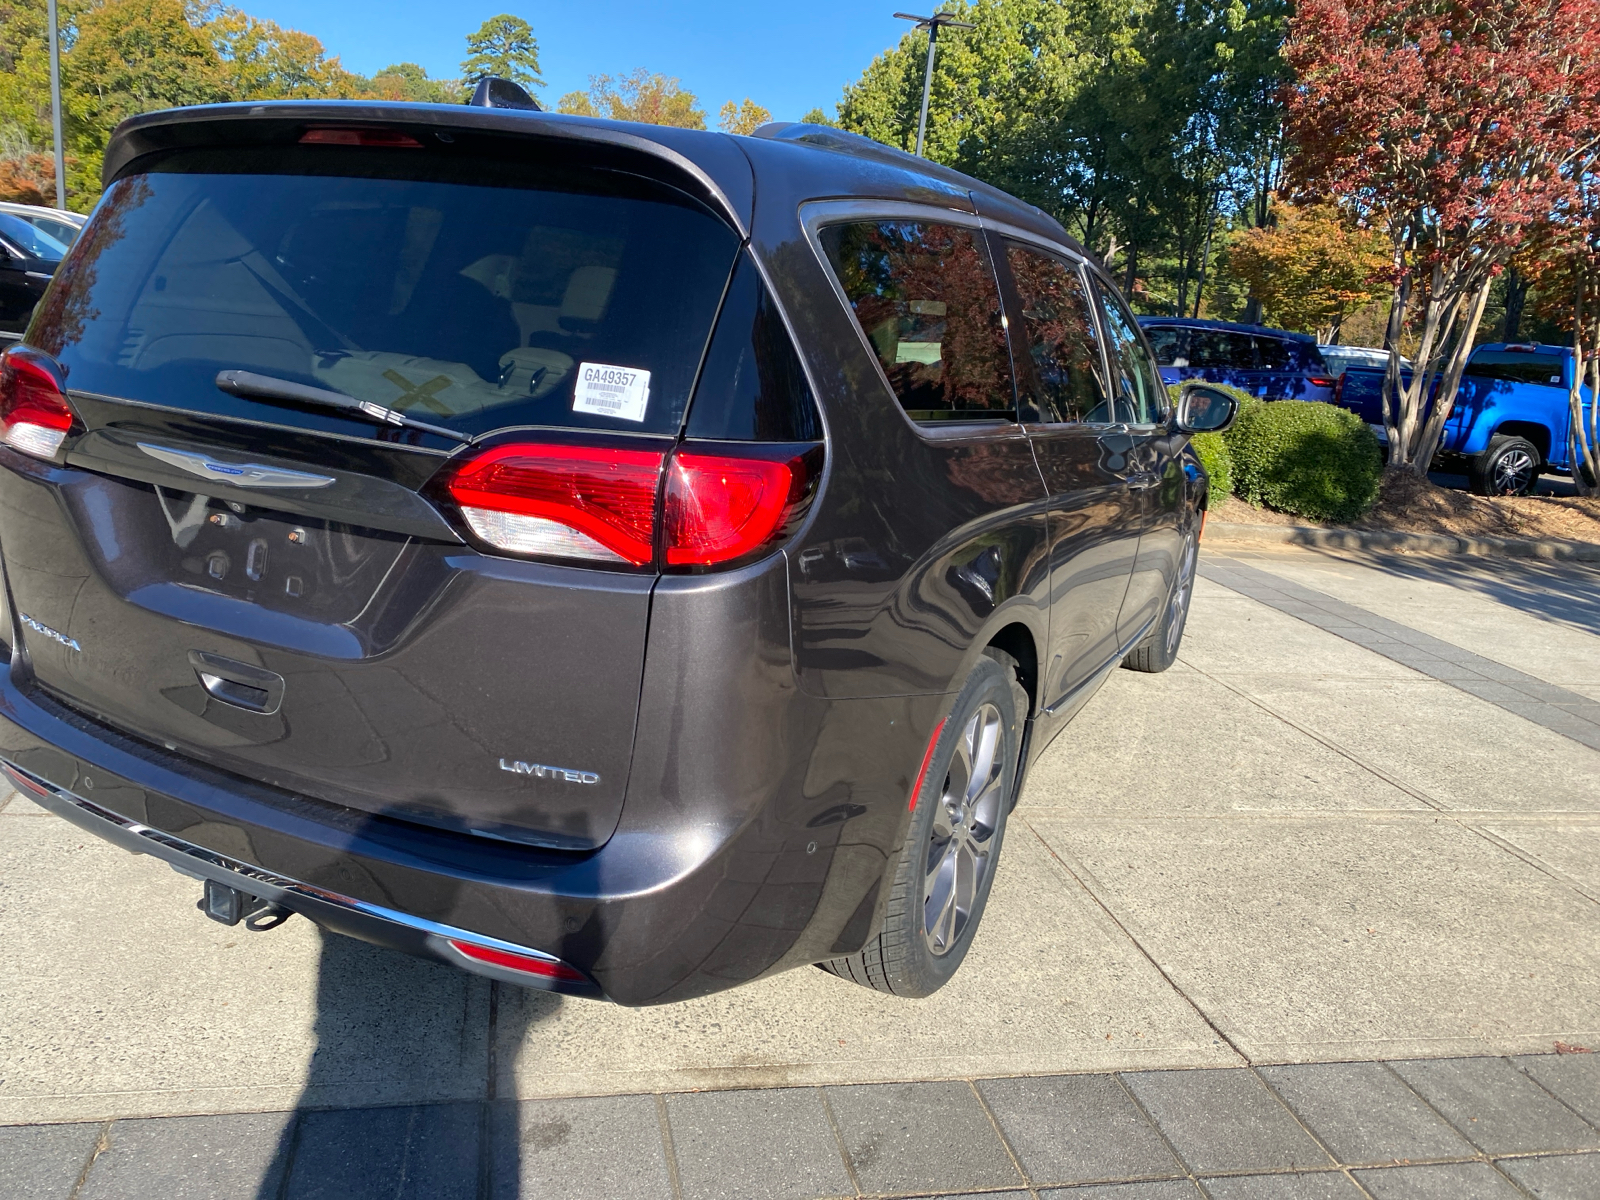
268	885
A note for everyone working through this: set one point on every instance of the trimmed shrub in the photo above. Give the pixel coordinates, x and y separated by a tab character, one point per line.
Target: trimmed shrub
1306	458
1212	451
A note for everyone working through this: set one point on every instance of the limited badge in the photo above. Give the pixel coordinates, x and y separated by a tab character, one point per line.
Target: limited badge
611	391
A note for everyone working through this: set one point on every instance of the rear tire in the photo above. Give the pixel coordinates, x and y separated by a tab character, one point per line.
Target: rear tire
947	865
1508	466
1159	650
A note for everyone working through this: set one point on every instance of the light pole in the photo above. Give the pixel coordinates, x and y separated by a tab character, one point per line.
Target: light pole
55	108
932	24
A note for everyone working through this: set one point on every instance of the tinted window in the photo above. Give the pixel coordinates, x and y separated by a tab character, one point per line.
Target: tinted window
1221	348
30	239
1138	400
753	388
474	305
1062	344
1514	367
1169	343
1276	354
925	296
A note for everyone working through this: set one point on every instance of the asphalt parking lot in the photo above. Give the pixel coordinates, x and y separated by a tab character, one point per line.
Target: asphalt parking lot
1357	824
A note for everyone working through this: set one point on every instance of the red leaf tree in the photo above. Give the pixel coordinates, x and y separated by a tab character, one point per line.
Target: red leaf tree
1458	127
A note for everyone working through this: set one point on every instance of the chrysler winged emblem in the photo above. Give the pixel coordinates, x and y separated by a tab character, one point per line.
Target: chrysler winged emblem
250	475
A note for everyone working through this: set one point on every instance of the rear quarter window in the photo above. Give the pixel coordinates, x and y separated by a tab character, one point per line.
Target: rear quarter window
925	296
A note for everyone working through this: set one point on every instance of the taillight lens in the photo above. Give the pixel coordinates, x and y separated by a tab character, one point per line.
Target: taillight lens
563	501
600	504
1320	381
34	416
719	508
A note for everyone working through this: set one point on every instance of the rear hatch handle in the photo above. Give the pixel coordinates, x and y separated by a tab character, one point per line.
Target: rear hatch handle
242	685
265	387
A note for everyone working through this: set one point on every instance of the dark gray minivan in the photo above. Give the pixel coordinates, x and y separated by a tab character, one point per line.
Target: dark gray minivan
621	560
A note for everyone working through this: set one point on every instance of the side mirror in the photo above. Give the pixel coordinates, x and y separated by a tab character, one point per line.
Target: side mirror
1204	409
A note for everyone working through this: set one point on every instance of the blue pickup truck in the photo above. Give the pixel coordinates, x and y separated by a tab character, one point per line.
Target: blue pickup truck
1511	417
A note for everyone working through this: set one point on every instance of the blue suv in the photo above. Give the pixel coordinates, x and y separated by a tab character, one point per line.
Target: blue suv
1273	364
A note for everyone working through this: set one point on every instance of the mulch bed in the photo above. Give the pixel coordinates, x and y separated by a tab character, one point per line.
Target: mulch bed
1409	504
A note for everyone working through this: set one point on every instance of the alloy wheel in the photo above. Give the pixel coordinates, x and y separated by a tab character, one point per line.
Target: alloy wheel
1181	587
961	850
1513	472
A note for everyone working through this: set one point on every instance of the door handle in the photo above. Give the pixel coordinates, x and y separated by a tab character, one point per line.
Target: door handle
242	685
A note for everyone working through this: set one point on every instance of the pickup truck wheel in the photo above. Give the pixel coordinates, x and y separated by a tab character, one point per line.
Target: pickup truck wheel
946	867
1510	466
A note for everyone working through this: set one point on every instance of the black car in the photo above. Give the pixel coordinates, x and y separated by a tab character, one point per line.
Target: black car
621	560
28	258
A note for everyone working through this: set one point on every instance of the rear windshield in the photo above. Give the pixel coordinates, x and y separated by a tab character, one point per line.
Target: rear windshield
471	295
1514	367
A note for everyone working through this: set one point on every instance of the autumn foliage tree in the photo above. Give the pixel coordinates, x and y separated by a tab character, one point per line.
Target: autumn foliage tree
1564	265
1310	266
637	96
743	118
1453	126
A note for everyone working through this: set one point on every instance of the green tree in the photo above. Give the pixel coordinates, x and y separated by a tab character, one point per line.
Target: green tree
816	117
263	61
129	57
743	118
503	47
637	96
409	81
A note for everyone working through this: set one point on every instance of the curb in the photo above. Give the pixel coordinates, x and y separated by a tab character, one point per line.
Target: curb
1549	549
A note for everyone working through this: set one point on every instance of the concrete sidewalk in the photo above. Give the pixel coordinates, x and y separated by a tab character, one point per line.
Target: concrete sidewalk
1458	1129
1358	821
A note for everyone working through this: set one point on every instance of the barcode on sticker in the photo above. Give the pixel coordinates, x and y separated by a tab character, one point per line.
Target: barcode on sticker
609	391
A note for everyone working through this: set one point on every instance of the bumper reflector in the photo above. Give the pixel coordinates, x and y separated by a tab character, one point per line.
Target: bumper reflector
525	963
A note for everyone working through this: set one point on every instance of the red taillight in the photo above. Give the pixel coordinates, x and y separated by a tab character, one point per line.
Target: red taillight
719	508
563	501
1319	381
34	416
393	139
526	963
600	503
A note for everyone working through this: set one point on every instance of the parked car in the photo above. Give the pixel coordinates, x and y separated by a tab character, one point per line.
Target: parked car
615	559
1341	358
28	258
1510	420
57	222
1273	364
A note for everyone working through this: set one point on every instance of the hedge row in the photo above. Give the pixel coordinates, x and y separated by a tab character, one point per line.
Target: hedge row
1303	457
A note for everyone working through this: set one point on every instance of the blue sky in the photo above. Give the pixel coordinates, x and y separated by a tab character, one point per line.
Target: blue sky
789	59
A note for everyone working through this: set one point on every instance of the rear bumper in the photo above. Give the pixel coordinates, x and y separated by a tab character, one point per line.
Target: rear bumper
344	914
677	903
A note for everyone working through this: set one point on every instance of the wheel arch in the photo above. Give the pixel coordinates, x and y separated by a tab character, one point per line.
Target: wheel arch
1531	431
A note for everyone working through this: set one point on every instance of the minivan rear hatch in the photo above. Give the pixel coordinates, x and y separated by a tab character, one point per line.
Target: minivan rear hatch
283	588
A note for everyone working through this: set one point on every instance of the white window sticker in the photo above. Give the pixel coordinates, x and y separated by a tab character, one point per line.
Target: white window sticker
611	391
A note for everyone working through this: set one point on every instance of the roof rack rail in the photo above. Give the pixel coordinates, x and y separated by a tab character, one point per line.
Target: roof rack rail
494	92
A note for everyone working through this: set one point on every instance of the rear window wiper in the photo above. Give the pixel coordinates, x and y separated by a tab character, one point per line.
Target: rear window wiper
266	387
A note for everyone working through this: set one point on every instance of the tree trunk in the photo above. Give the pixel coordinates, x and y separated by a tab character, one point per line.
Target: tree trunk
1131	271
1433	431
1516	297
1583	454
